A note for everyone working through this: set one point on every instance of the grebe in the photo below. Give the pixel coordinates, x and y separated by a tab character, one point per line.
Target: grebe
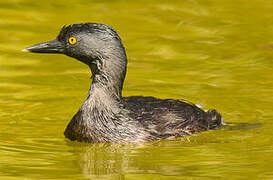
105	115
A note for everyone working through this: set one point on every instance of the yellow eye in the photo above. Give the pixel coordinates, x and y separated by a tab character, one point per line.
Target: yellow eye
72	40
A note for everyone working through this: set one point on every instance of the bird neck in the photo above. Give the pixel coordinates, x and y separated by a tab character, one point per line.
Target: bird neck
103	105
108	74
104	100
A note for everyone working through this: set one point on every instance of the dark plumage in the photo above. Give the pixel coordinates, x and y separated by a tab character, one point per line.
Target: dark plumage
105	115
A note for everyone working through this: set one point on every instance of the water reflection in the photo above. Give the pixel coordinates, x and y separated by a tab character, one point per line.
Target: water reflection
106	160
162	158
101	159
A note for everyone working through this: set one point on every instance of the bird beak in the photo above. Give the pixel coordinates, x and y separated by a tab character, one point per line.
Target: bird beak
54	46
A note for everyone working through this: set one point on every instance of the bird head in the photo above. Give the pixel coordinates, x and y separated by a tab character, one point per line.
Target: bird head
90	43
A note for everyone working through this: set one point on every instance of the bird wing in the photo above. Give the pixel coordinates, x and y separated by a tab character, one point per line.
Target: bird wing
166	117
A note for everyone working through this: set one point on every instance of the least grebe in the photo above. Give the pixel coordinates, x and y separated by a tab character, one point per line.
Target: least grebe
105	115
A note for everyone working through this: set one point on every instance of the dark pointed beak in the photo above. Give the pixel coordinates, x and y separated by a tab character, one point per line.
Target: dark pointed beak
54	46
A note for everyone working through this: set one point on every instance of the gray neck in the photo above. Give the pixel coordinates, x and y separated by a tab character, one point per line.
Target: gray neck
102	110
108	75
104	96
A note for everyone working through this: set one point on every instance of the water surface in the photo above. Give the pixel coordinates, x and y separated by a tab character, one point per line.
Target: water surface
215	53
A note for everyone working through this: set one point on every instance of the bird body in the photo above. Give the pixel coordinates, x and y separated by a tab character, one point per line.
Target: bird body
105	115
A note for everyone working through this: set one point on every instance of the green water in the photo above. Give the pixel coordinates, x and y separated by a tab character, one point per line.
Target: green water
218	53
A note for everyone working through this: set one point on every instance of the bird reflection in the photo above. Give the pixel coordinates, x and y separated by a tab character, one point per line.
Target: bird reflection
103	159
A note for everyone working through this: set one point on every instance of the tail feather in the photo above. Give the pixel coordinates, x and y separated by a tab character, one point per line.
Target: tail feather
214	119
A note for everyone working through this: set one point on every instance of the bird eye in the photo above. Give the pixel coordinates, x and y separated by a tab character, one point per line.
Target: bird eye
72	40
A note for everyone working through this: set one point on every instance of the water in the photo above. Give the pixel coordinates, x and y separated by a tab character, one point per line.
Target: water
215	53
